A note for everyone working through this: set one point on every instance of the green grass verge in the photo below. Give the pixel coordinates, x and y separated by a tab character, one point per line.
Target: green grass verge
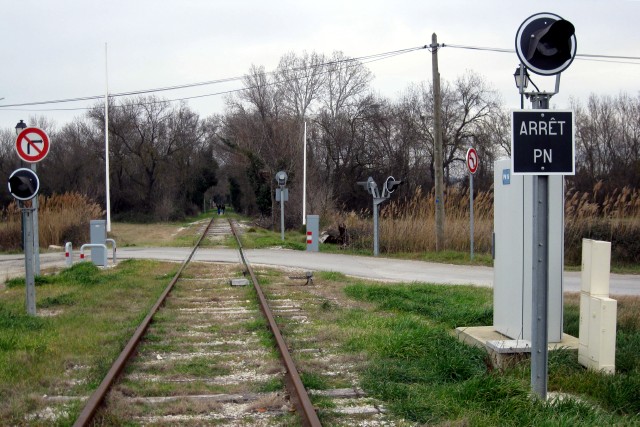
259	238
85	317
295	239
426	375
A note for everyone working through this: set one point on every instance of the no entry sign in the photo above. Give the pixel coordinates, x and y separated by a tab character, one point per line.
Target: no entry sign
32	145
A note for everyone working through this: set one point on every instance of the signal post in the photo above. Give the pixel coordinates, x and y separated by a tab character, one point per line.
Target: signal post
372	188
545	44
32	145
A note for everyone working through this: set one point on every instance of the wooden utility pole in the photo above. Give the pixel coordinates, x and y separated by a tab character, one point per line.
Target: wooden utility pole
438	168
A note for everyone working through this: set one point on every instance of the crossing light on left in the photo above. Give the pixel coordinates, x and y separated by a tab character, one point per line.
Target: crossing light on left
24	184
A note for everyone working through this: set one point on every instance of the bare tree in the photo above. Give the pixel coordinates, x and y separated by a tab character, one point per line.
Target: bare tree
258	126
608	142
160	164
339	150
469	109
300	80
347	82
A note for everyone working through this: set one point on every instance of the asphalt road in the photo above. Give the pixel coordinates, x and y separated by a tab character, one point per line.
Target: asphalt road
383	269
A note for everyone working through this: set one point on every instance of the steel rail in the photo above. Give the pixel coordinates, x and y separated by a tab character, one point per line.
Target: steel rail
98	396
297	393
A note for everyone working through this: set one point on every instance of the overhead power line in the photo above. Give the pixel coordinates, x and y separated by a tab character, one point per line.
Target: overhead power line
362	59
358	60
579	55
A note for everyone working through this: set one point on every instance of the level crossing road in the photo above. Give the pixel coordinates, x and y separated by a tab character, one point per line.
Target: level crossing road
376	268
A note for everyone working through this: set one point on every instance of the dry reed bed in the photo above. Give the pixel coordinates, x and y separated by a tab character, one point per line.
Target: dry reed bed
61	218
409	225
406	225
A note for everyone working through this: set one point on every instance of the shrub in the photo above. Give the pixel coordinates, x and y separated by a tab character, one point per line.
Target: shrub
61	218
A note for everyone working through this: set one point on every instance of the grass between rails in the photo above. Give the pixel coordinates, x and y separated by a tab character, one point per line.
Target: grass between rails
85	317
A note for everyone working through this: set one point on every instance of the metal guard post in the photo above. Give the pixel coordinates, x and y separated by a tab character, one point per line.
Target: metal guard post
94	245
113	243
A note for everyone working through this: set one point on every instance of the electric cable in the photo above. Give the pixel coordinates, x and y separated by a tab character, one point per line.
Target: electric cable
587	56
360	60
619	59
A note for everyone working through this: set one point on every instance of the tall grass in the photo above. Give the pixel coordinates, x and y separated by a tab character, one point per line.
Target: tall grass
409	225
61	218
613	217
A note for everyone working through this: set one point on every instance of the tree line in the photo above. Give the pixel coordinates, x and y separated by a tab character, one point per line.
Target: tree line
166	161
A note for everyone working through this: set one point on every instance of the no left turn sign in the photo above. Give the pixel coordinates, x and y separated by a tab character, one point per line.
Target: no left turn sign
472	160
32	145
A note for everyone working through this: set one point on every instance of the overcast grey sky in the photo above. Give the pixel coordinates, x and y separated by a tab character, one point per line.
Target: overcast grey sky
55	49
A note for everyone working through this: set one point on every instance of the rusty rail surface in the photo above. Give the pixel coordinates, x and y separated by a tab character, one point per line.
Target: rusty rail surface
297	393
98	396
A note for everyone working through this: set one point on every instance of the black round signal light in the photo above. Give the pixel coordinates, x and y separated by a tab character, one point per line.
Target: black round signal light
546	43
24	184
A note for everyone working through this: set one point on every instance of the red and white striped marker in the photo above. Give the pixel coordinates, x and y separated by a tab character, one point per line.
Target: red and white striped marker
309	237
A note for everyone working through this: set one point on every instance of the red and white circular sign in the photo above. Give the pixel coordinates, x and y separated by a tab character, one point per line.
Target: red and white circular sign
472	160
32	145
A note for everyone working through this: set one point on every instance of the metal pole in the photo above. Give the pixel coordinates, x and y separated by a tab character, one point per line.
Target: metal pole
30	284
36	234
540	288
282	213
471	228
304	176
540	276
521	88
106	140
36	231
375	227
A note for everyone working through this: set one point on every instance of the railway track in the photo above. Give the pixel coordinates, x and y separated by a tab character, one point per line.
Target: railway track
204	355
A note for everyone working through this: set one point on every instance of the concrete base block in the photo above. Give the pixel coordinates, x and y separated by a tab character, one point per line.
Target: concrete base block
509	346
239	282
503	350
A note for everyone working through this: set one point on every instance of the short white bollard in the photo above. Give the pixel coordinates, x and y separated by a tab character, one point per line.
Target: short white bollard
68	254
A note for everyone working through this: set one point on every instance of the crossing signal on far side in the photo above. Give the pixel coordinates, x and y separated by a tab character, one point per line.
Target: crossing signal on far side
546	43
391	184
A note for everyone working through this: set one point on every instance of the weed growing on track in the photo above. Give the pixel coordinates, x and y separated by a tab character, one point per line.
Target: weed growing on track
427	376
